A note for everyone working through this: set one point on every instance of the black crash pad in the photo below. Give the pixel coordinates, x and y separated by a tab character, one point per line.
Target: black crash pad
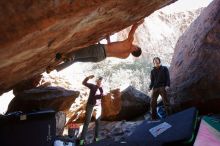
181	131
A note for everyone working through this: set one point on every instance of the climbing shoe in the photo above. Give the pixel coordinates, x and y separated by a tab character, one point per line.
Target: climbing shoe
81	142
96	139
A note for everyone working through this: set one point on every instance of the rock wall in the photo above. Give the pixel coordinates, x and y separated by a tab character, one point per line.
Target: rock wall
194	69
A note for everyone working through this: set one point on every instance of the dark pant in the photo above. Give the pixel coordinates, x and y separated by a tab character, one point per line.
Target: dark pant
155	93
88	116
93	53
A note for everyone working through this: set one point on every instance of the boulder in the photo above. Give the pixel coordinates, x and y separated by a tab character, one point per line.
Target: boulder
194	69
134	103
56	98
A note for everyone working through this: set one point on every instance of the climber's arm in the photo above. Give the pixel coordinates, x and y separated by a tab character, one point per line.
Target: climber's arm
133	29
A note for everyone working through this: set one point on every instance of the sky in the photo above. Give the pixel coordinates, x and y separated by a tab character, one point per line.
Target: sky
185	5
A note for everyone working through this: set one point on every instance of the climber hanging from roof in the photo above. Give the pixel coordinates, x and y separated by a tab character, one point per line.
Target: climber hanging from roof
98	52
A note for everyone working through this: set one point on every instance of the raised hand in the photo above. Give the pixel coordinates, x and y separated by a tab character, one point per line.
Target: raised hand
133	29
140	22
91	76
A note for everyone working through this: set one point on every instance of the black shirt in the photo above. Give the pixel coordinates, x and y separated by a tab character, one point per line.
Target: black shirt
93	96
159	77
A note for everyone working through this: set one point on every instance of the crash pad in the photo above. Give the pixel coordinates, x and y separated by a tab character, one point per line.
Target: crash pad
209	132
178	129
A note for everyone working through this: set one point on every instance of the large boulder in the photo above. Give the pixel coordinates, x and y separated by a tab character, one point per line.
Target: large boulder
134	103
33	32
194	69
56	98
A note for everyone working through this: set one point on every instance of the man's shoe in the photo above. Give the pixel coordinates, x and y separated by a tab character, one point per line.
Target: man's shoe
49	69
81	143
153	119
96	140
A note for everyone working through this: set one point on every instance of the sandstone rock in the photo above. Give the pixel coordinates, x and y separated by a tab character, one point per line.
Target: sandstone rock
111	105
194	69
33	32
56	98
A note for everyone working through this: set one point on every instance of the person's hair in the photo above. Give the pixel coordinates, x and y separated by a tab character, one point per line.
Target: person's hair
137	53
156	58
100	78
58	56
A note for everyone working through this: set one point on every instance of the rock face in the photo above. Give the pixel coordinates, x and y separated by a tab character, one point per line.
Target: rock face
32	32
194	69
56	98
27	91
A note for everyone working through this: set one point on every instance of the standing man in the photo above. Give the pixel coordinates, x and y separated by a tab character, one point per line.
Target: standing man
160	82
93	103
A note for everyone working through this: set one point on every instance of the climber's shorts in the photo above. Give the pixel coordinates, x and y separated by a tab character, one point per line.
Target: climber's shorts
93	53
